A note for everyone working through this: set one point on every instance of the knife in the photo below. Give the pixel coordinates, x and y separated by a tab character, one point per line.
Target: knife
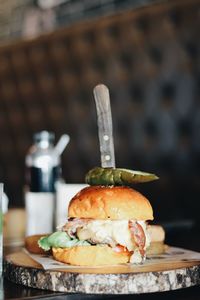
104	121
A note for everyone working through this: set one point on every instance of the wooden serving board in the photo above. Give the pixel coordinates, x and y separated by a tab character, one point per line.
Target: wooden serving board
177	268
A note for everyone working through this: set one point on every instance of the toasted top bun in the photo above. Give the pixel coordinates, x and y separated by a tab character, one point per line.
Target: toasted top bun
90	255
115	203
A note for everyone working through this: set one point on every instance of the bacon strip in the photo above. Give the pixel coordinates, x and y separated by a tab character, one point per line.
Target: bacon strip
120	249
138	235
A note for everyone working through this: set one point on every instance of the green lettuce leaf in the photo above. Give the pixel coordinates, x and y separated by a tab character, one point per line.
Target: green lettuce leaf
44	244
59	239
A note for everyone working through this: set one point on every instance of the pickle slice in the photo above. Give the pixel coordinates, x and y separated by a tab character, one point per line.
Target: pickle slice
117	176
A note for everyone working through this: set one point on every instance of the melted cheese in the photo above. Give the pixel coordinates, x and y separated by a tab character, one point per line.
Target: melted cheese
111	232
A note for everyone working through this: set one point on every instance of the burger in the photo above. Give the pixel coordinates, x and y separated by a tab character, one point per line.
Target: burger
106	225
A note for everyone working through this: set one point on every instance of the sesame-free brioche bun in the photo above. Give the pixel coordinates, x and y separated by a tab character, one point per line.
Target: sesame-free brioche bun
156	233
90	255
31	244
114	203
157	237
156	248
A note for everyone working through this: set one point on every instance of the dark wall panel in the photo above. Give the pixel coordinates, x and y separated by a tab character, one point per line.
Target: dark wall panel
149	58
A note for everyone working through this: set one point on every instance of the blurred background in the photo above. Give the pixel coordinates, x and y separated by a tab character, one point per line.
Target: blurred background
53	53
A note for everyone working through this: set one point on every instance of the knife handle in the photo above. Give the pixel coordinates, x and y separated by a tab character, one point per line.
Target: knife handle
104	119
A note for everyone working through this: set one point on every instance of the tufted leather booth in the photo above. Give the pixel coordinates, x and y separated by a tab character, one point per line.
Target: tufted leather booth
150	60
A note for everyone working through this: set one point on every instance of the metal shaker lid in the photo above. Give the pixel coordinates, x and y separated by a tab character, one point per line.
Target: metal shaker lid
44	136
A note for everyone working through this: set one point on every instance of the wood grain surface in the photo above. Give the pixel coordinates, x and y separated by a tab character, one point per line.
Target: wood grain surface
23	260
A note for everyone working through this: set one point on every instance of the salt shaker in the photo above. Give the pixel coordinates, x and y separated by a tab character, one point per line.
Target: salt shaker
43	170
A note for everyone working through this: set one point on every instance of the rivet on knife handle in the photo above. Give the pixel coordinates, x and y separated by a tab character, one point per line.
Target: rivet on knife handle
104	119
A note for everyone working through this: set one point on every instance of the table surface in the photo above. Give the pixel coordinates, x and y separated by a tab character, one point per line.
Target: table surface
13	291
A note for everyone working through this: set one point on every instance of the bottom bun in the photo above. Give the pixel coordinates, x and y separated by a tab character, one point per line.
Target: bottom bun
90	256
31	244
156	248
